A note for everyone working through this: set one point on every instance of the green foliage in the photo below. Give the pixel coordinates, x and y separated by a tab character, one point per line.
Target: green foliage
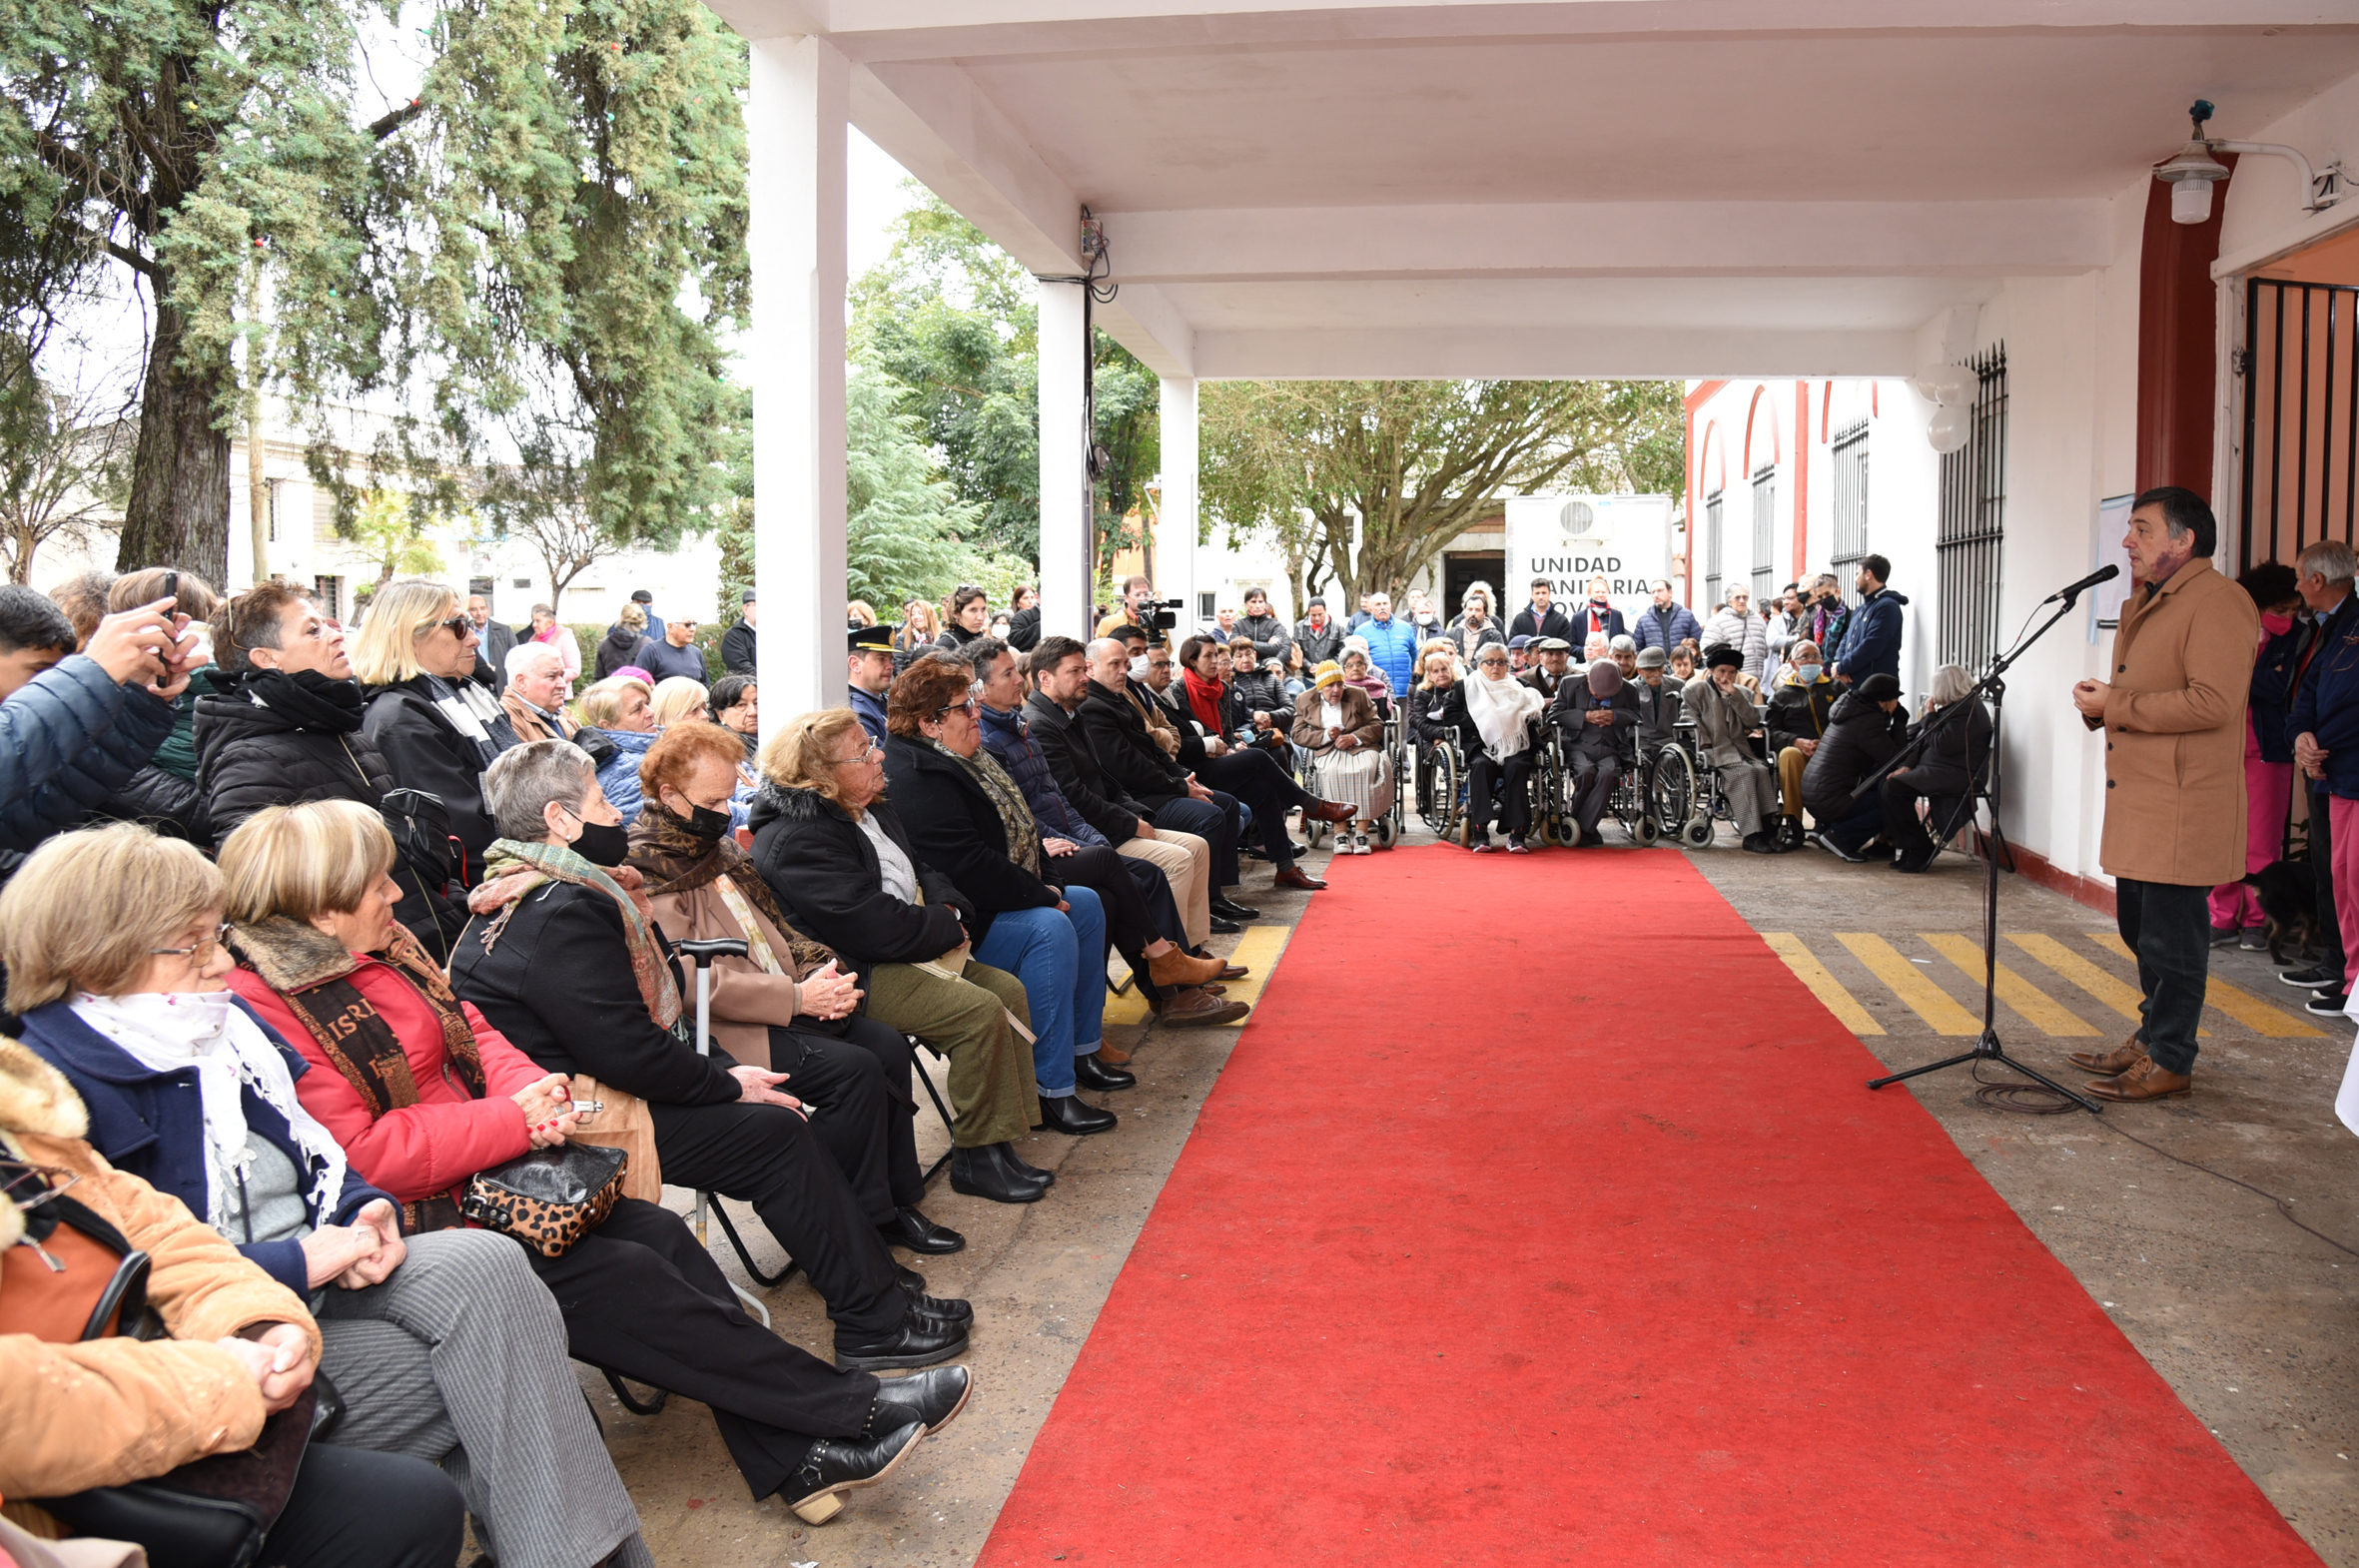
954	317
387	532
1416	462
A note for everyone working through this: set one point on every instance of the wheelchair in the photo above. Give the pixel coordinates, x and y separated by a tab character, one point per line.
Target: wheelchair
1685	794
1387	824
1631	804
1436	774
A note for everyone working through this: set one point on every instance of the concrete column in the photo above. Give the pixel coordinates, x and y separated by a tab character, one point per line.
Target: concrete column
1065	473
1175	538
795	118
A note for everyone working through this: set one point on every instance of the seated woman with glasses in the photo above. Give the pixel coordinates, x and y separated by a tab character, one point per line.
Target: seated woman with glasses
787	1004
422	1092
839	861
442	1346
968	820
565	960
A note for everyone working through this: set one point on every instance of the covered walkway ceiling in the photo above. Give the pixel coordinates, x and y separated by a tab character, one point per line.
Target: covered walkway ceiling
1601	188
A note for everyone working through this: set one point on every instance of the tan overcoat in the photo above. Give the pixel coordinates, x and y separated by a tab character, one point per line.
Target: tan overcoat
2175	730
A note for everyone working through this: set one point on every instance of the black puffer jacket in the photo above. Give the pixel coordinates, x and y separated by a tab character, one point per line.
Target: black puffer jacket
1798	712
1953	757
958	832
423	750
249	757
1442	716
171	806
615	650
825	873
1860	737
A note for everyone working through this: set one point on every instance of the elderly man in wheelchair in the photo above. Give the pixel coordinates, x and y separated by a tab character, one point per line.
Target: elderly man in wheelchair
1726	721
1595	717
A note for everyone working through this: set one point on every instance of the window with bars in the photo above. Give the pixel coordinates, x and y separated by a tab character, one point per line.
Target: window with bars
1712	542
1973	522
1851	505
1765	533
330	592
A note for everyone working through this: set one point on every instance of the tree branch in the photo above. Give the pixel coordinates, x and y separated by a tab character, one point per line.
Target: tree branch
145	266
386	124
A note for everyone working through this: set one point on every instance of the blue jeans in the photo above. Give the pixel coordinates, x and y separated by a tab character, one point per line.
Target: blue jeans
1061	958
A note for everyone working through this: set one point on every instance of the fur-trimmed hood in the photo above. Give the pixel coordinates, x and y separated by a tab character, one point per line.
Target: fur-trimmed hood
34	1098
292	955
793	804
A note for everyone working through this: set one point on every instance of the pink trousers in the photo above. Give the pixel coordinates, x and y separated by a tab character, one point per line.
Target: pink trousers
2344	815
2268	791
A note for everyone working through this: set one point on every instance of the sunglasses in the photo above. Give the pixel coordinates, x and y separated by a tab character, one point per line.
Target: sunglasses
458	625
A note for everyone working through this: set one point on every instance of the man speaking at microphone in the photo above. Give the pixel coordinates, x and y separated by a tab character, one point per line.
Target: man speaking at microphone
2173	722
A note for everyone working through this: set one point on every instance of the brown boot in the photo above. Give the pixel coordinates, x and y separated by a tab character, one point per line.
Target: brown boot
1196	1007
2110	1064
1173	967
2144	1081
1113	1055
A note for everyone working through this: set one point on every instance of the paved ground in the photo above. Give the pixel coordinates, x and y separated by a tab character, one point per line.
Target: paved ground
2248	1319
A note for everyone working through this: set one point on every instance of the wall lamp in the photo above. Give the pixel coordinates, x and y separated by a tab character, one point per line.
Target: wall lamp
2193	173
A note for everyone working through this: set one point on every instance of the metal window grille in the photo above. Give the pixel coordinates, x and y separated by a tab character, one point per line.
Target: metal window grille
330	592
1966	551
1765	532
1850	503
1712	542
2300	366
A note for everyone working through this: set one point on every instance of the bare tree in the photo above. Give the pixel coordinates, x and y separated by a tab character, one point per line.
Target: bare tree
541	502
64	457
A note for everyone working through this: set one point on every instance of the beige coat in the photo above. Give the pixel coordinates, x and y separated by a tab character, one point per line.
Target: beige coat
747	999
2175	731
113	1410
1360	718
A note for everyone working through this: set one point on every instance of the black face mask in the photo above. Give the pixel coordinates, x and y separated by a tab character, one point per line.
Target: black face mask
707	824
603	843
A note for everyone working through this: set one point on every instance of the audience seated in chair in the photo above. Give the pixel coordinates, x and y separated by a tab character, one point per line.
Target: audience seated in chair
1596	717
564	959
620	712
1501	711
835	856
1336	723
437	729
1798	706
442	1346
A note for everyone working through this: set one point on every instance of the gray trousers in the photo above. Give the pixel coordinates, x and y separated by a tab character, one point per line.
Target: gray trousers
459	1359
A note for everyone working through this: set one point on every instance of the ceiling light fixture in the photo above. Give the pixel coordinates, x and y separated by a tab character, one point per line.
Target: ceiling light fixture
2193	173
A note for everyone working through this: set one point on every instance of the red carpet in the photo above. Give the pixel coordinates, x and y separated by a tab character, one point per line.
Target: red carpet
1541	1217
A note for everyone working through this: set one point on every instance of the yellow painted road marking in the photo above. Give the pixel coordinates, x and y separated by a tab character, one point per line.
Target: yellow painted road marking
1929	1001
2042	1010
2235	1001
1825	987
1257	949
2099	982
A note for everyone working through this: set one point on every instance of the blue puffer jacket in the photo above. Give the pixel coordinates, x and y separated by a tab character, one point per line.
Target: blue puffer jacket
1872	643
1006	736
619	778
70	740
152	1125
1393	649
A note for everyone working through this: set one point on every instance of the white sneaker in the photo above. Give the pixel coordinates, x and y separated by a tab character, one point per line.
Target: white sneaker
1359	843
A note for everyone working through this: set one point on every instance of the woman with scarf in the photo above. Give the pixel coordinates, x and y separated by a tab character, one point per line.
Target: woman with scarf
437	729
787	1004
1337	725
547	632
1503	711
565	960
968	820
442	1346
422	1092
1361	671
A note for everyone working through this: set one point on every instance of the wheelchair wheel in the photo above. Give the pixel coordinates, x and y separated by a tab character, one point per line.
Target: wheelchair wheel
1383	837
1698	833
1676	797
1315	833
1437	791
1648	832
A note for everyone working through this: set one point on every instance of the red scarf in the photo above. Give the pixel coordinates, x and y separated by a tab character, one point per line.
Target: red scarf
1204	700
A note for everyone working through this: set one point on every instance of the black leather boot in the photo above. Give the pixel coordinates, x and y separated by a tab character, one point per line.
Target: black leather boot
983	1172
932	1398
1090	1072
835	1466
1072	1115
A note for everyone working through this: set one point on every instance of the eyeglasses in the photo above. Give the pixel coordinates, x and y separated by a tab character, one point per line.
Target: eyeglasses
200	952
967	707
868	753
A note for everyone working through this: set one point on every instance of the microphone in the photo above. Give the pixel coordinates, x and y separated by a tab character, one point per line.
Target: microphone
2068	595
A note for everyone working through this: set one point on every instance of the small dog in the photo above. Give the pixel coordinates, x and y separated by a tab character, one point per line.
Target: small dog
2288	891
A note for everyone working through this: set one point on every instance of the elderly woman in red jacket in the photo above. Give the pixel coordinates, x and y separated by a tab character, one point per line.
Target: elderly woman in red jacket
422	1092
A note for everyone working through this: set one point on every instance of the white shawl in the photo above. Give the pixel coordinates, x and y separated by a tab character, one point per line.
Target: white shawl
1502	711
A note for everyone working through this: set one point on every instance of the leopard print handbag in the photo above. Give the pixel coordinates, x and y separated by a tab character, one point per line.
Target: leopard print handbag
549	1199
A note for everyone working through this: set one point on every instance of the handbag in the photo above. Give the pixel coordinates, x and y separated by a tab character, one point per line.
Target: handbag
75	1277
617	1119
421	824
549	1199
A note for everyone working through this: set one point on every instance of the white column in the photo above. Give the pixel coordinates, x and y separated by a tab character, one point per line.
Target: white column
1065	473
795	119
1176	540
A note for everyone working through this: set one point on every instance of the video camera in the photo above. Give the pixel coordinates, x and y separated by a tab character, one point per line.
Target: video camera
1161	615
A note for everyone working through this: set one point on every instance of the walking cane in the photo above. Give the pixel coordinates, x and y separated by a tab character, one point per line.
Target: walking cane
702	954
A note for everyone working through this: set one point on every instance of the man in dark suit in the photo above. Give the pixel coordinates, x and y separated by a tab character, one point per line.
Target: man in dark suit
492	640
1540	618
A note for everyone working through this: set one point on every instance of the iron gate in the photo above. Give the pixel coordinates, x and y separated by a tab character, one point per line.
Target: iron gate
1712	543
2300	366
1765	534
1968	551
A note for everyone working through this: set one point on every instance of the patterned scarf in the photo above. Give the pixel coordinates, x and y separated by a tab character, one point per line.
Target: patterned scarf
1023	833
513	869
674	860
363	1046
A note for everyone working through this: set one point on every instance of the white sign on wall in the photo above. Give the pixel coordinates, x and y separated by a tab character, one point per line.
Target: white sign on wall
1570	538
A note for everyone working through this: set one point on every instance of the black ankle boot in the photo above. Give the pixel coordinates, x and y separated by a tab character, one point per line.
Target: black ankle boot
983	1172
1069	1114
835	1466
1090	1072
932	1398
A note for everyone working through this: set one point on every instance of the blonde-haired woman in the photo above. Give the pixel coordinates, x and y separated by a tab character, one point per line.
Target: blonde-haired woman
444	1346
837	859
676	699
622	643
921	627
622	710
422	1092
438	729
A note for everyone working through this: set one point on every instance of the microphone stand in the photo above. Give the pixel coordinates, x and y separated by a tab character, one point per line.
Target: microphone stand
1987	1048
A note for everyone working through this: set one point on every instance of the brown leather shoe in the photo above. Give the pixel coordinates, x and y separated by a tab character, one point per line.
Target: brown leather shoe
1173	967
1297	877
1113	1055
1234	971
1196	1007
2110	1064
1329	811
2144	1081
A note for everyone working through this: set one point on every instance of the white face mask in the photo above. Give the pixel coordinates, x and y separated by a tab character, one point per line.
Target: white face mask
1138	667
